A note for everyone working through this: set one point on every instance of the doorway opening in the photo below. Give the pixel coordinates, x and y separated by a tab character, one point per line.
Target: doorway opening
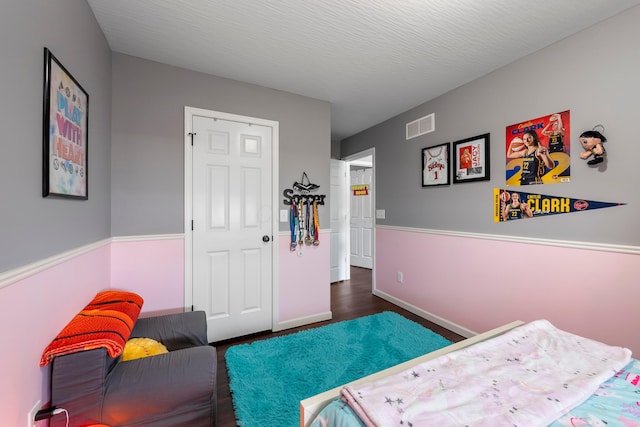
353	219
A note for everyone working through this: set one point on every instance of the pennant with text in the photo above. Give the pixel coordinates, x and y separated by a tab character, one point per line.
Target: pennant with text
510	205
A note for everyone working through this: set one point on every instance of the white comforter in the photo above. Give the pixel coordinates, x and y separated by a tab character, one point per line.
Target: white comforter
528	376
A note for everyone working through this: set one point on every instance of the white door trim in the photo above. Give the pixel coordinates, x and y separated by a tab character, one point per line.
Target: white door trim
341	233
189	112
369	152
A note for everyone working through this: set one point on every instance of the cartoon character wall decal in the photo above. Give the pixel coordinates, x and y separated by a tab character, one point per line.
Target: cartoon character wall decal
591	142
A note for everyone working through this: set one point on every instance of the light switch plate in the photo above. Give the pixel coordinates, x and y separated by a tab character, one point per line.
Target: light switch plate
284	215
380	213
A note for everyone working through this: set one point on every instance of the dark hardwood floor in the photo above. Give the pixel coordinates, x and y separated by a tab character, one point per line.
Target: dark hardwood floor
349	299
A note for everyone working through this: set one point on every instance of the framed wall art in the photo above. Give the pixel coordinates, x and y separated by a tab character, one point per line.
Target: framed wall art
435	165
65	133
471	159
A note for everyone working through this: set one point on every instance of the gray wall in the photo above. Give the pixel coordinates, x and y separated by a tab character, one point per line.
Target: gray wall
335	149
594	74
148	137
32	227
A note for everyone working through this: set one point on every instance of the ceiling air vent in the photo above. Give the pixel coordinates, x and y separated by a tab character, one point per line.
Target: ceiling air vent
421	126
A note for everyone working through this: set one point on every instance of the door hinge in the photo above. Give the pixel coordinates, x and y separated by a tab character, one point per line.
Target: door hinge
191	225
192	307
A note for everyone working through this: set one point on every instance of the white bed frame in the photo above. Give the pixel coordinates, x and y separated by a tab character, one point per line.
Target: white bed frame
310	407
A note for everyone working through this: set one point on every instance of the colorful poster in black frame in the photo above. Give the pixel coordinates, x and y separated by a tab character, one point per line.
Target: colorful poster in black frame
65	133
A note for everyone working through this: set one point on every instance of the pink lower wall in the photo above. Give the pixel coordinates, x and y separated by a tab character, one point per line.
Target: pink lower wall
152	268
32	312
303	287
481	283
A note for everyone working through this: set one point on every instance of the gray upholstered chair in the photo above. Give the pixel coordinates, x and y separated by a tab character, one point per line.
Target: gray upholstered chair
177	388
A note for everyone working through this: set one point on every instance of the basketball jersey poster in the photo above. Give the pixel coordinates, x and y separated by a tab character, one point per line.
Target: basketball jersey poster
435	165
510	205
538	150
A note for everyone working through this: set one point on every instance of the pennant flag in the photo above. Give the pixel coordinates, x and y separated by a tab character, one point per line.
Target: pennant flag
510	205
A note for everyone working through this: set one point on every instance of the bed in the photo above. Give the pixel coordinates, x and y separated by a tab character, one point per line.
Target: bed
522	374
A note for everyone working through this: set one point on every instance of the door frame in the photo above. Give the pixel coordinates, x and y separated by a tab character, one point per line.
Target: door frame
189	112
349	159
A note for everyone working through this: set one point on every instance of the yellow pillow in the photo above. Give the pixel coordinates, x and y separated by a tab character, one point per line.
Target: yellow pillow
136	348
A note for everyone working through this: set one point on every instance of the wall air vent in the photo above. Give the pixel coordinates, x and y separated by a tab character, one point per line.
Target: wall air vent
421	126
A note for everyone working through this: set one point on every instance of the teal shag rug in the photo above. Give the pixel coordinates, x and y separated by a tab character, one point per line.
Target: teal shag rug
269	378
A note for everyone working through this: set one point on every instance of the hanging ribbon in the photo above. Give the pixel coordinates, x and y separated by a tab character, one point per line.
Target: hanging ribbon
308	240
292	225
316	224
300	223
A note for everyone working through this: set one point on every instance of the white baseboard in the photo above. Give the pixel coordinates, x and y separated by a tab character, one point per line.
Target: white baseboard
302	321
426	315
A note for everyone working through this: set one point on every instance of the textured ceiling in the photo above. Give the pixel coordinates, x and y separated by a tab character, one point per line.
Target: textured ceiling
371	59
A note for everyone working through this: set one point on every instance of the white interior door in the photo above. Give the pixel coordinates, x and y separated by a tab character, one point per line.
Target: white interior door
339	241
232	237
361	223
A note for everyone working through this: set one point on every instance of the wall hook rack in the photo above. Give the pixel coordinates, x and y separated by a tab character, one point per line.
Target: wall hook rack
304	187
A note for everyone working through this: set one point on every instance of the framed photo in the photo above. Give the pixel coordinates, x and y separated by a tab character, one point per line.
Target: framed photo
435	165
471	159
65	133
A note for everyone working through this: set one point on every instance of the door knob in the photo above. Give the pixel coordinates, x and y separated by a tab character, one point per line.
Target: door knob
265	238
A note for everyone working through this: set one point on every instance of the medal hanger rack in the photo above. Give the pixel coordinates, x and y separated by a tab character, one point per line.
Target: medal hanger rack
303	195
304	221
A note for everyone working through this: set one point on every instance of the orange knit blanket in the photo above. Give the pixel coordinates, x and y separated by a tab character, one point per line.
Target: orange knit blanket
106	321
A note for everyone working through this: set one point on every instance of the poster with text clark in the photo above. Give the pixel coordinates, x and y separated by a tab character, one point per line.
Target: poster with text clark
65	133
510	205
538	150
